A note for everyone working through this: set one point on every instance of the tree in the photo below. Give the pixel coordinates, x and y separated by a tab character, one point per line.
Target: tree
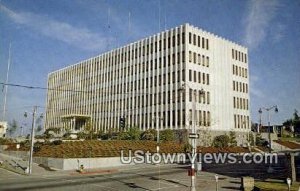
232	139
134	133
167	135
88	128
296	122
205	138
221	141
12	127
39	124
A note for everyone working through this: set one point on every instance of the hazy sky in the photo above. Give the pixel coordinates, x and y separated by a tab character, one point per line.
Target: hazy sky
50	34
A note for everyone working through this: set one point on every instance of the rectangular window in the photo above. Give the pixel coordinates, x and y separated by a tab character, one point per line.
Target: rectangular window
203	78
191	95
199	77
194	58
190	56
203	45
234	102
207	45
207	79
207	61
194	39
199	41
183	38
232	53
190	38
190	75
199	59
208	97
195	76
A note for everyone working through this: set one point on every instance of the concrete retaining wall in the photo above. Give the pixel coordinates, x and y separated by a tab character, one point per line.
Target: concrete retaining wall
74	163
17	154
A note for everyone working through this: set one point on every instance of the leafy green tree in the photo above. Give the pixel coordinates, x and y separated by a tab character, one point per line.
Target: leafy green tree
12	127
232	139
221	141
88	129
296	122
167	135
134	133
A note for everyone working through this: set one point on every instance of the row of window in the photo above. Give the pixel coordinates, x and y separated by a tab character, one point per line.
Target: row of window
198	59
195	76
200	96
240	87
239	71
202	118
238	55
142	67
198	41
240	103
150	48
241	121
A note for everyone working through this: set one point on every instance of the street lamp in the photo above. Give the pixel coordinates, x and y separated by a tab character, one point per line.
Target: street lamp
183	89
32	136
269	119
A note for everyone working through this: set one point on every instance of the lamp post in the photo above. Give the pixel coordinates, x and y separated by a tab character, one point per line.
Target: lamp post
183	89
32	136
269	121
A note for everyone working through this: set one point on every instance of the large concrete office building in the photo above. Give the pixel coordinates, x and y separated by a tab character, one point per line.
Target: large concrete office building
141	82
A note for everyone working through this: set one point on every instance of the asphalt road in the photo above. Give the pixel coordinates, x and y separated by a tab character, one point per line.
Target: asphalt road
137	178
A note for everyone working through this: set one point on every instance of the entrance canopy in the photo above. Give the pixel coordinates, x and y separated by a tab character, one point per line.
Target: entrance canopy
76	121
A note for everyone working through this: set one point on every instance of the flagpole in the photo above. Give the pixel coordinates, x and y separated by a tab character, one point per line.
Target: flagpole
5	86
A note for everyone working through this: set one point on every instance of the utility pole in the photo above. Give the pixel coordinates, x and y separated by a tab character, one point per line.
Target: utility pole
193	136
32	139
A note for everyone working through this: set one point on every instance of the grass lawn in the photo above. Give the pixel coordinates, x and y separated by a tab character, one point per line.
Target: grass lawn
275	186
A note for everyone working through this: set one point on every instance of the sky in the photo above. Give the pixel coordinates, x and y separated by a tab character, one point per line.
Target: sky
50	34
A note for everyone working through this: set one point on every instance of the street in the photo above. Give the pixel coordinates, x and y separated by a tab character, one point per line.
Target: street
155	177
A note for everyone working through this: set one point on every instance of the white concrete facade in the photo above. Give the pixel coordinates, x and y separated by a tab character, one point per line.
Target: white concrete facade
141	82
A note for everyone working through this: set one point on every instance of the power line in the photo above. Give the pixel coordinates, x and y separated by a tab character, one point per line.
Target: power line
69	90
41	88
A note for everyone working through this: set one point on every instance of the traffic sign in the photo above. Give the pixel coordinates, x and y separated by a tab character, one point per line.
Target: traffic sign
194	136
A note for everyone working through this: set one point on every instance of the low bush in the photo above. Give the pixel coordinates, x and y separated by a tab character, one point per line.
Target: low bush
221	141
57	142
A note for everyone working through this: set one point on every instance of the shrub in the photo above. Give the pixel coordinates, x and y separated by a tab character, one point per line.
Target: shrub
232	139
57	142
221	141
134	133
123	136
81	135
4	141
37	147
167	135
149	135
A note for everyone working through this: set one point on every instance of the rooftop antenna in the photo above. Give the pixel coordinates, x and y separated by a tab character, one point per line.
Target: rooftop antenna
129	25
158	15
165	22
108	29
5	87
